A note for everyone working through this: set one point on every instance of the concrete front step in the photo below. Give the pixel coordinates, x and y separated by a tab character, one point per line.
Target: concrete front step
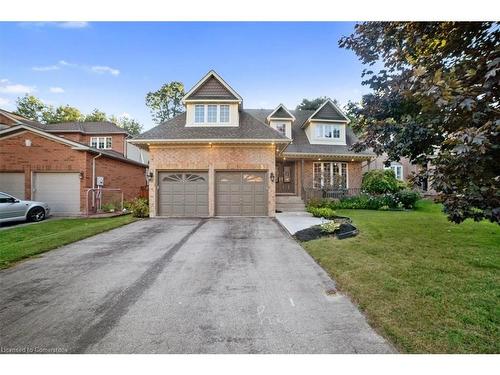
288	199
290	203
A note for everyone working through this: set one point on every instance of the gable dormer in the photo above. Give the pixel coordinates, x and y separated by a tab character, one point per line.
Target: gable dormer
327	125
281	120
212	102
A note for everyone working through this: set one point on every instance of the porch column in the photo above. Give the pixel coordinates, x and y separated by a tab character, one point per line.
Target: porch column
301	176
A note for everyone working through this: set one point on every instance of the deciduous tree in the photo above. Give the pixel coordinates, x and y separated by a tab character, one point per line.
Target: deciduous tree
165	103
435	100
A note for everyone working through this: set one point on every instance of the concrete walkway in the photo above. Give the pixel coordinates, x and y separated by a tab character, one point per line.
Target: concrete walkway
238	285
296	221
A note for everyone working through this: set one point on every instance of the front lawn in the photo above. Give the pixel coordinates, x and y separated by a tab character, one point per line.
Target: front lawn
22	242
426	284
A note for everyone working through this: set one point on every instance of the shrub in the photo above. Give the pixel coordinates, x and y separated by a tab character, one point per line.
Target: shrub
408	198
325	212
139	207
330	227
380	181
108	207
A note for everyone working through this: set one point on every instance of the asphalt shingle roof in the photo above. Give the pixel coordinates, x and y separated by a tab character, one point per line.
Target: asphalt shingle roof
301	143
249	128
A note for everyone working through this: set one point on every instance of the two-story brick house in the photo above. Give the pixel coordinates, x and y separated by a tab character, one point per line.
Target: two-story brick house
221	159
59	163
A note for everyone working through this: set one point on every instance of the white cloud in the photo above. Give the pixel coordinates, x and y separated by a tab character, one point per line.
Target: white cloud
45	68
105	69
56	90
72	24
4	102
8	87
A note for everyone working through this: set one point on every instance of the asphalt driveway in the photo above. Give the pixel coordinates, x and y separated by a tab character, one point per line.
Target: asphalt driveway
237	285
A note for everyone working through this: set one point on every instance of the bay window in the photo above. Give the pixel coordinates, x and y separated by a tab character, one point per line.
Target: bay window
329	175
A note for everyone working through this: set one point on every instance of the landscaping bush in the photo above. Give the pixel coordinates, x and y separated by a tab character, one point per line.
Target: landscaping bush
325	212
330	227
380	181
139	207
109	207
408	198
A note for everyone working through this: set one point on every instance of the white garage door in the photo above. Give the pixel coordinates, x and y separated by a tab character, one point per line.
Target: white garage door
12	183
60	190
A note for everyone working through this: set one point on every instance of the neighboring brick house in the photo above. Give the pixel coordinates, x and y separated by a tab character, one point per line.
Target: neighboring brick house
221	159
59	163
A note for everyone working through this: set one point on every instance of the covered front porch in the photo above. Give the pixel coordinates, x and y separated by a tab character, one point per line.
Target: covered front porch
317	176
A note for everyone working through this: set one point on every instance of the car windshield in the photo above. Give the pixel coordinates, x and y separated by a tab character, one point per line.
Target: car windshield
5	198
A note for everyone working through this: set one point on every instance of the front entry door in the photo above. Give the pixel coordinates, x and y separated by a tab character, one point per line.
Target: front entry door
285	177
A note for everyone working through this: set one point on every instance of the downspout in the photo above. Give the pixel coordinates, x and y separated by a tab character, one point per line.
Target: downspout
93	178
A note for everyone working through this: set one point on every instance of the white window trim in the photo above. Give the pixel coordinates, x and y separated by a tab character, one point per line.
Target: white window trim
394	167
218	115
105	143
339	163
323	131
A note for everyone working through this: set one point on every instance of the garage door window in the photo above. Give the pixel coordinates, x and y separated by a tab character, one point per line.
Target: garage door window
181	178
252	178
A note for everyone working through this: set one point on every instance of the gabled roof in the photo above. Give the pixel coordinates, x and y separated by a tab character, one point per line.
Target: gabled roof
212	87
328	111
281	113
249	129
73	144
301	145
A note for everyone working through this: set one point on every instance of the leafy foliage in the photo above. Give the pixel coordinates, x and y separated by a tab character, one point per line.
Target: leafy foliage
313	104
435	102
324	212
379	181
330	227
139	207
33	108
165	102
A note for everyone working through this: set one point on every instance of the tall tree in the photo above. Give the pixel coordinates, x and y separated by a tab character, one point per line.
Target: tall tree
30	107
436	100
313	104
63	113
96	116
130	125
165	103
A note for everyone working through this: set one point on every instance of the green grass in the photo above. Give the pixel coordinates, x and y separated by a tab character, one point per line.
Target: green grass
23	242
428	285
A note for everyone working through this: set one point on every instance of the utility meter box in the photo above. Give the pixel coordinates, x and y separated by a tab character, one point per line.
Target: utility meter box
100	181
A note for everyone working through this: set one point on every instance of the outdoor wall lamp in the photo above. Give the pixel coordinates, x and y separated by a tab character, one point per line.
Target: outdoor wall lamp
81	175
271	176
150	176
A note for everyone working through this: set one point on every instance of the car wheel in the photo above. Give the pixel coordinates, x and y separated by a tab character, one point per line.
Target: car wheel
36	214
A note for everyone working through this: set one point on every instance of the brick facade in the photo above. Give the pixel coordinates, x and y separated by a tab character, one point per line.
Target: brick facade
46	155
212	158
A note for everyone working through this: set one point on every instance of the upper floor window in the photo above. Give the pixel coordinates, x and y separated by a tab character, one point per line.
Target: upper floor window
224	113
211	113
281	128
328	131
199	113
101	142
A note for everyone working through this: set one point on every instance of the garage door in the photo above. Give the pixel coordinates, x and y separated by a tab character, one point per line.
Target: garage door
183	194
60	190
12	183
241	194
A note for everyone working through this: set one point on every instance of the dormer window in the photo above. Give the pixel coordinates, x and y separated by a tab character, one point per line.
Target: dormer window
213	113
281	127
224	113
199	113
328	131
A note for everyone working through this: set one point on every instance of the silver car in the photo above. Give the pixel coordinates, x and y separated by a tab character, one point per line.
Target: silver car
13	209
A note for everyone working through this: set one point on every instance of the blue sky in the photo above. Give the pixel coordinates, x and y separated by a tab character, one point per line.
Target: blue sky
111	66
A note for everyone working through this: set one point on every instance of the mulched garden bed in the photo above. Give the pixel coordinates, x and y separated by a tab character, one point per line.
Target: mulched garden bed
346	230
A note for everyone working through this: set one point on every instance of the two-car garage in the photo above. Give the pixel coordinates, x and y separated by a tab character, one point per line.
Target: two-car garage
236	193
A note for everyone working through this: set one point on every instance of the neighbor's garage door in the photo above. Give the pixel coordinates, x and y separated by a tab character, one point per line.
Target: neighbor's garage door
183	194
12	183
241	194
60	190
